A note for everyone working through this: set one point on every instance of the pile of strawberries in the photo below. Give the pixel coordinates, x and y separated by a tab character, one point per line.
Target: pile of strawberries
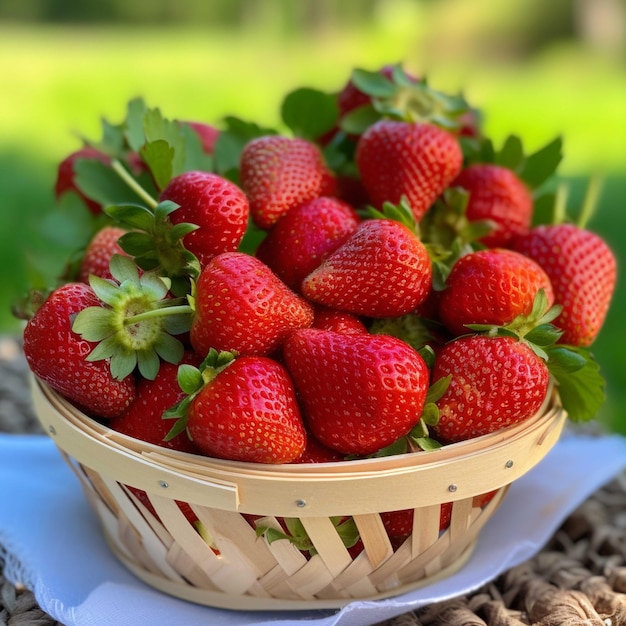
374	278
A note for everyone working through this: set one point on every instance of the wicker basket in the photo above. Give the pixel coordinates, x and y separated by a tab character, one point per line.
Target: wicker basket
236	569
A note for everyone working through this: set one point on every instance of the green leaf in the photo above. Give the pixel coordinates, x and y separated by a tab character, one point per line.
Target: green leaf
190	379
100	183
180	230
105	289
134	130
309	113
131	215
438	389
430	414
93	323
357	121
123	362
123	268
542	164
194	157
427	443
148	363
159	156
169	348
565	359
136	243
544	335
374	84
582	391
511	155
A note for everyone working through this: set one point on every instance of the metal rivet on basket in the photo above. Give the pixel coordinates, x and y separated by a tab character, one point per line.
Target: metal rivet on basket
163	483
300	503
453	487
52	430
509	464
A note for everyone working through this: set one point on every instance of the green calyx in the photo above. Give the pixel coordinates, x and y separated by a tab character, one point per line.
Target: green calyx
296	534
156	243
135	328
401	97
576	373
192	380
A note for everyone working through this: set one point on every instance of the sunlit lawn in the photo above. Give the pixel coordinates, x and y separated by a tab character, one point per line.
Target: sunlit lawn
57	84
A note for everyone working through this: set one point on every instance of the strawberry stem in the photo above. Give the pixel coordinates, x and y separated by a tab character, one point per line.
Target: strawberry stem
165	311
121	171
560	204
591	201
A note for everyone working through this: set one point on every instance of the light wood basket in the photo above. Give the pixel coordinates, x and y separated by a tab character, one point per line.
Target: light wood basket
247	572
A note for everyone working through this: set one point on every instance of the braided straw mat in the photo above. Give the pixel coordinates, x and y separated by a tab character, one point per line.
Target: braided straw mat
579	578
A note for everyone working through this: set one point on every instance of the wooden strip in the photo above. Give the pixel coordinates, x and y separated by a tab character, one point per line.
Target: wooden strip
328	543
425	528
283	551
374	537
312	578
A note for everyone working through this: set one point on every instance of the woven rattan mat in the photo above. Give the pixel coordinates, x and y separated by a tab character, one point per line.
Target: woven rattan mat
579	578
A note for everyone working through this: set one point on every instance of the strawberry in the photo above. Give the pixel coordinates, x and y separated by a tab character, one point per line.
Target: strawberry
65	180
359	392
315	452
279	173
382	270
496	193
143	419
100	249
399	524
338	321
215	205
242	409
57	355
302	238
491	286
241	306
582	269
417	160
496	382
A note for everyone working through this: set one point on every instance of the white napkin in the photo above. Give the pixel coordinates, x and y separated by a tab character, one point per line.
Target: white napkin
51	541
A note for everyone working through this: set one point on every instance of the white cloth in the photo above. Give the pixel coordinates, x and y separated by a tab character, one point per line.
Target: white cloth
51	541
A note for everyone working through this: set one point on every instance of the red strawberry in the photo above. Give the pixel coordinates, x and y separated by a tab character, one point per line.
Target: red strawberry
417	160
279	173
315	452
382	270
491	287
496	382
582	269
241	306
497	194
143	419
248	412
65	175
57	355
98	253
359	392
301	239
338	321
217	206
399	524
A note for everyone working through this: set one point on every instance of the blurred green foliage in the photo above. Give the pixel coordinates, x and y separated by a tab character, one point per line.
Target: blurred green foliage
537	69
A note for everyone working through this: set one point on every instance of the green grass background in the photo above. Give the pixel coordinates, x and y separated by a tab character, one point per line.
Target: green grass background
57	82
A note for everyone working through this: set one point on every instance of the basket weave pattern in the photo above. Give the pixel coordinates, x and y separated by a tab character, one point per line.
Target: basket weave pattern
230	566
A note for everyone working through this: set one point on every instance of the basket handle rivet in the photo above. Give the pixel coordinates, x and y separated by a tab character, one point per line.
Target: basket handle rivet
509	464
163	483
453	487
52	430
301	503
